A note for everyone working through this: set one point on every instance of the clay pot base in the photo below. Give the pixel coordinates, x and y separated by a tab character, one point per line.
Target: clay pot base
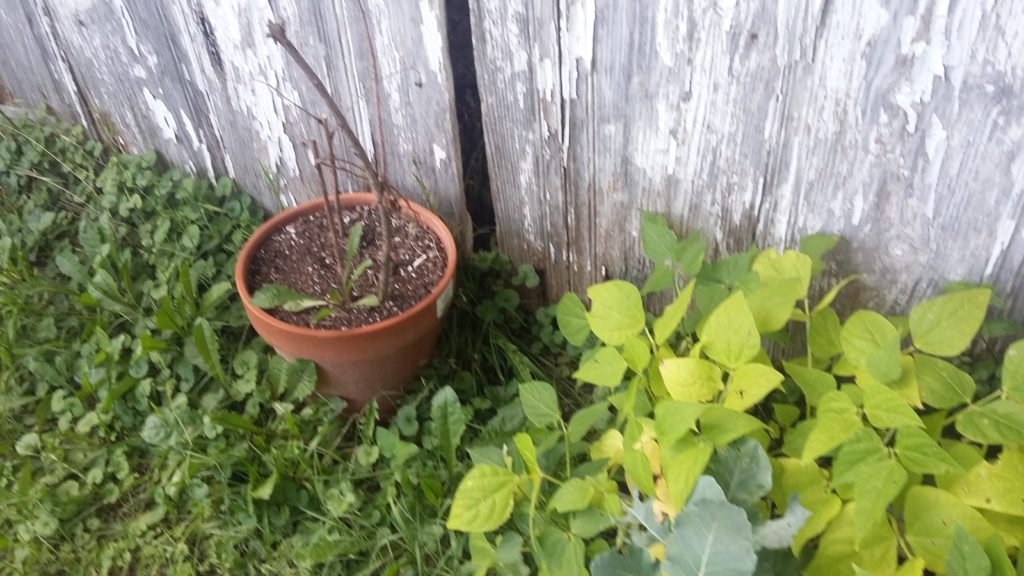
301	257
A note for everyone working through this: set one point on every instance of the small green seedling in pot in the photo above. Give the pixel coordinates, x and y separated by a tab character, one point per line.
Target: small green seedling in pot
280	296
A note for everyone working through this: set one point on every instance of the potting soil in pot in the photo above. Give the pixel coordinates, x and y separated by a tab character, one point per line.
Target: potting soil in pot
300	256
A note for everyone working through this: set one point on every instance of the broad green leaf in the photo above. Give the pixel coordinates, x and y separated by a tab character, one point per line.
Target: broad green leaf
662	278
528	452
720	425
771	305
825	333
682	464
277	295
879	484
483	501
656	238
1013	372
854	457
921	454
481	553
792	477
689	253
816	246
448	422
830	296
208	347
583	420
729	334
945	325
574	495
638	468
691	379
942	384
590	522
666	324
635	562
871	341
616	311
813	383
931	516
637	353
789	266
560	554
605	367
837	420
997	487
887	409
710	537
540	403
840	553
1001	422
996	551
743	471
608	447
966	556
749	384
572	319
907	386
673	420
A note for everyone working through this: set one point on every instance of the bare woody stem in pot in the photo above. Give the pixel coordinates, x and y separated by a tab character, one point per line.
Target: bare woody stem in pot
276	32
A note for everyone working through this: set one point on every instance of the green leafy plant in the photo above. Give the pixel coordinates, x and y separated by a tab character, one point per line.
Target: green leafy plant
276	295
868	448
145	429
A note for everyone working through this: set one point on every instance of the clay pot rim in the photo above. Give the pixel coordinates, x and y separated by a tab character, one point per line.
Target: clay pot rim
282	219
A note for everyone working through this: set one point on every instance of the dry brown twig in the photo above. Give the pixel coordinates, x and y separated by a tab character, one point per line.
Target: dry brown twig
381	192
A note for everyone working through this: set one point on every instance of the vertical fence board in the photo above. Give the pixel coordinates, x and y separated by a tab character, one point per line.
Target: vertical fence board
200	82
899	125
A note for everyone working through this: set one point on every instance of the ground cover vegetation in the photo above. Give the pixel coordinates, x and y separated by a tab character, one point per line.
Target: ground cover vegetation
745	428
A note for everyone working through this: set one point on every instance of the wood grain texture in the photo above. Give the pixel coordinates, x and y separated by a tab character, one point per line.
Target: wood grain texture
199	81
899	125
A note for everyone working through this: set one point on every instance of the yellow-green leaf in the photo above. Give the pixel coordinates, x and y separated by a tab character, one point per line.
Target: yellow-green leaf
729	333
682	464
691	379
871	341
887	409
749	384
616	311
1001	422
790	267
931	516
813	383
837	420
942	384
605	367
637	353
945	325
879	484
1013	371
666	324
483	501
998	487
572	319
921	454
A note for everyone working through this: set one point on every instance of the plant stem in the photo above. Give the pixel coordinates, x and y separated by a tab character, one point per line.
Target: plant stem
986	400
332	219
276	32
346	292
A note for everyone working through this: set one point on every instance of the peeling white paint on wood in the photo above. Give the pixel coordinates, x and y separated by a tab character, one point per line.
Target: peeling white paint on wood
199	81
899	125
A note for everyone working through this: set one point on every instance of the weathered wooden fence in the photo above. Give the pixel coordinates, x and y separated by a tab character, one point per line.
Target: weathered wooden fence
899	125
199	81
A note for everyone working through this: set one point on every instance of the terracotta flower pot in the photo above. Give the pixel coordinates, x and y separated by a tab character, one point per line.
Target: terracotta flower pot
358	364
